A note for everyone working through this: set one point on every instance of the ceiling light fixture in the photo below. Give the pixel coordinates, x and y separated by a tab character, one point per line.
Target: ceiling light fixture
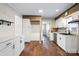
57	10
40	11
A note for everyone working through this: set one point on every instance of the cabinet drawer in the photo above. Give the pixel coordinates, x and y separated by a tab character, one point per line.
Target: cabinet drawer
6	44
7	51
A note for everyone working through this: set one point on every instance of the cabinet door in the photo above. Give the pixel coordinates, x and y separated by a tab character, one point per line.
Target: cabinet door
56	23
78	43
61	41
21	44
63	38
64	22
71	44
17	46
51	36
59	22
58	40
6	48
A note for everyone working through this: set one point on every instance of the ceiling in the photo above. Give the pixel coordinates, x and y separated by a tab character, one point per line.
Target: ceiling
49	9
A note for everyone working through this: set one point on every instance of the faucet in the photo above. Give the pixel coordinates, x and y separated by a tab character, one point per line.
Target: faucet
68	30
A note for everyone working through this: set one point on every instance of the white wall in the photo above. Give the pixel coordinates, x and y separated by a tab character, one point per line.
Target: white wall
7	13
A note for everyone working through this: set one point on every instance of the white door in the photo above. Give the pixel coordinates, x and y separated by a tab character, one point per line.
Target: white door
26	30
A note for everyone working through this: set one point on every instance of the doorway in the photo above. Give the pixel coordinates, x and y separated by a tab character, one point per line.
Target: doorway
46	33
46	30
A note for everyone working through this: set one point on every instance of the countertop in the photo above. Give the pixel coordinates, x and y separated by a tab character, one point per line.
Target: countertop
64	33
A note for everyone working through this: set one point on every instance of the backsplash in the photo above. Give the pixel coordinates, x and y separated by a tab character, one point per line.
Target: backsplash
62	30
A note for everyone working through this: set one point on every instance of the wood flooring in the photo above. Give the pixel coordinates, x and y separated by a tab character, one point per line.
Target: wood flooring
35	48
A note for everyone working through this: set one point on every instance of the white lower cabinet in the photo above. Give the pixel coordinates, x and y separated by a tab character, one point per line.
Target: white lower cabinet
16	46
71	44
6	48
21	44
58	40
67	42
12	47
62	42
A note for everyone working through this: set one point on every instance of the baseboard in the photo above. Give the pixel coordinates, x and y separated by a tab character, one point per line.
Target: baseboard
21	53
27	42
78	53
34	41
72	54
59	47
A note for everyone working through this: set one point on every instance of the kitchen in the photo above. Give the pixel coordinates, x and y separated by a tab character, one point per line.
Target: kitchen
22	28
66	28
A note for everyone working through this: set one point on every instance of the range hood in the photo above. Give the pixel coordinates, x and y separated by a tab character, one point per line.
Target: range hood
74	21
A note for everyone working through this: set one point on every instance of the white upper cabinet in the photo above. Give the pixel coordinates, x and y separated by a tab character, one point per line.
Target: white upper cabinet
61	22
75	15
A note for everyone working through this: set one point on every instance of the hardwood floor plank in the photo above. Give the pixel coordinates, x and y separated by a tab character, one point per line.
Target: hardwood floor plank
34	48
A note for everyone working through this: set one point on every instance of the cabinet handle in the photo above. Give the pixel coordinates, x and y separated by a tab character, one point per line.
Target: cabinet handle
20	41
8	44
13	46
